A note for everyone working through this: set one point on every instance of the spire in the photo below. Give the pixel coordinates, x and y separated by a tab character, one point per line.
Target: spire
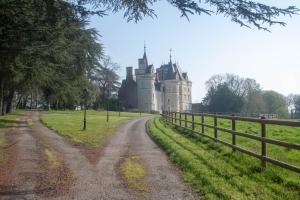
145	56
170	55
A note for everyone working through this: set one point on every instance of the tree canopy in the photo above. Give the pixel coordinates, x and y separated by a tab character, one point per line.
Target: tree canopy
232	94
45	49
244	12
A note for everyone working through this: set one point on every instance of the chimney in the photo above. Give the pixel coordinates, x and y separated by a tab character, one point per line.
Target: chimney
129	73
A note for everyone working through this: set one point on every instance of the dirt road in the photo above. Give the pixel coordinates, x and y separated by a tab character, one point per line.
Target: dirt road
87	181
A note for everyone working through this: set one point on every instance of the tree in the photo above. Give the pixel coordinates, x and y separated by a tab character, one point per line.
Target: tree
254	102
275	103
244	12
45	47
107	78
294	105
223	99
297	106
247	90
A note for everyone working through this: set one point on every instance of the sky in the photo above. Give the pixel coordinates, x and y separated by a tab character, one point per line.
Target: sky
207	45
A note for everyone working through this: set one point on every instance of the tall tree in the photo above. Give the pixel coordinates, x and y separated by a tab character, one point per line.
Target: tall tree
107	78
275	103
223	99
45	44
294	105
248	90
244	12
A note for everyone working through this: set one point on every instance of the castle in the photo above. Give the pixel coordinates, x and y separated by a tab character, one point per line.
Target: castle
168	88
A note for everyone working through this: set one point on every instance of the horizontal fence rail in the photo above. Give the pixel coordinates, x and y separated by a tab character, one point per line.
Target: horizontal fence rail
182	118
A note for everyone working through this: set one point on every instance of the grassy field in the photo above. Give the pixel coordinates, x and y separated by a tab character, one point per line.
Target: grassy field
7	121
282	133
217	173
69	124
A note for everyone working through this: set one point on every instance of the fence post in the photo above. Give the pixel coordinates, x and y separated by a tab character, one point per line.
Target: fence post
169	116
233	133
263	142
180	119
172	118
193	122
175	117
215	127
202	123
185	118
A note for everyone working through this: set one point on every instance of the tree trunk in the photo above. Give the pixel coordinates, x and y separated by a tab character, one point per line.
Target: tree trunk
3	108
2	96
25	102
10	101
31	100
36	101
19	102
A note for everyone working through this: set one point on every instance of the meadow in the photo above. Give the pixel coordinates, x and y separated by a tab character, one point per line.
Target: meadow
69	124
216	172
281	133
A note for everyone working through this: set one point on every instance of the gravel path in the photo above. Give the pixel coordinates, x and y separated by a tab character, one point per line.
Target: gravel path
27	170
101	181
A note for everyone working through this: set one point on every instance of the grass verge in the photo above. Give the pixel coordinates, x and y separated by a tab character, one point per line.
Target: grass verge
217	173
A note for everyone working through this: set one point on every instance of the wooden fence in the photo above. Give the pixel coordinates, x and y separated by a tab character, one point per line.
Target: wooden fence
182	118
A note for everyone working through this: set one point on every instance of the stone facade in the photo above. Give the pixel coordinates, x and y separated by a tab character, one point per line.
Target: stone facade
168	88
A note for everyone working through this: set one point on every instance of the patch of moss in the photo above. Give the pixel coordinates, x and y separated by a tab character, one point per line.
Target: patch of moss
134	174
54	160
30	122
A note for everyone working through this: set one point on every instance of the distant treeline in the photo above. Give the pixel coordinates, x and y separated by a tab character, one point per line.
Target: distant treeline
232	94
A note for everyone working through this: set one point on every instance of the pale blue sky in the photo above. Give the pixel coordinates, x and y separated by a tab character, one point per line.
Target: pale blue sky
208	45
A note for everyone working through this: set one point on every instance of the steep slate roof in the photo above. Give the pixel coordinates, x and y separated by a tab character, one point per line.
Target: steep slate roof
167	72
171	71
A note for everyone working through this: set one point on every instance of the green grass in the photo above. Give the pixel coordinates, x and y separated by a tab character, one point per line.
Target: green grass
217	173
282	133
7	121
69	124
133	172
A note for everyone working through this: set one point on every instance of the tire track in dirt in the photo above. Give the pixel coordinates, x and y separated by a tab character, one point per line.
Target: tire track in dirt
27	169
102	180
98	181
32	177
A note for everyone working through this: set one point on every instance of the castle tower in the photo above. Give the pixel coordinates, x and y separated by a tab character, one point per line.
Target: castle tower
129	73
145	79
